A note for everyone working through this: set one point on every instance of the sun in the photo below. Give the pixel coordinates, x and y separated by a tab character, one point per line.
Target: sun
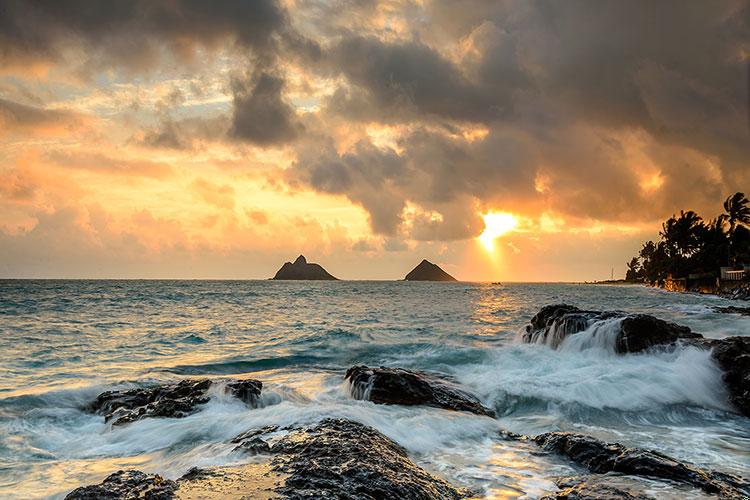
496	224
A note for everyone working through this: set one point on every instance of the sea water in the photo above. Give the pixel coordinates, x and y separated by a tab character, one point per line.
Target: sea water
64	342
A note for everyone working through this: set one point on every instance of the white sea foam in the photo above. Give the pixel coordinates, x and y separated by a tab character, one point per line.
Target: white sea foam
580	373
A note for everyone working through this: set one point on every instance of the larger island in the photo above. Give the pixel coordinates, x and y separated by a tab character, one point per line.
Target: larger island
302	270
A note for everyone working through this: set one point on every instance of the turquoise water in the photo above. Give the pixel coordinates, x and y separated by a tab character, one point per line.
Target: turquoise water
63	342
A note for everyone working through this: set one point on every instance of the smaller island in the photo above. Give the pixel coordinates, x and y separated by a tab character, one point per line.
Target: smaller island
427	271
302	270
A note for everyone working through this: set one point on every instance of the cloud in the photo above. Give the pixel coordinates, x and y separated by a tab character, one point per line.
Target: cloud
103	164
583	97
220	196
20	118
261	116
183	134
131	34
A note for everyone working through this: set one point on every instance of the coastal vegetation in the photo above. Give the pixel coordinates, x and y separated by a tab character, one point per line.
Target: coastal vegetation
692	246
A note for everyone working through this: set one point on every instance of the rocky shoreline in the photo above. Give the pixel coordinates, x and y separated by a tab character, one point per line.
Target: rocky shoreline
345	459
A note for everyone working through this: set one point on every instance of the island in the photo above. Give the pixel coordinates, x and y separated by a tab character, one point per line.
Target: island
427	271
302	270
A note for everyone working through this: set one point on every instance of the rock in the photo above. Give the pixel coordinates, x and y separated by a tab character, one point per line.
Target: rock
593	488
344	459
302	270
600	457
640	332
732	354
405	387
637	332
335	459
745	311
427	271
253	446
130	484
169	400
247	390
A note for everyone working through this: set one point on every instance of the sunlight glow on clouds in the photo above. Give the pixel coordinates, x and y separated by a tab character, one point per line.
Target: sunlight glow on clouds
181	140
496	224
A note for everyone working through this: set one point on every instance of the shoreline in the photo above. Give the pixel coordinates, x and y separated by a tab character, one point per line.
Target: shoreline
726	290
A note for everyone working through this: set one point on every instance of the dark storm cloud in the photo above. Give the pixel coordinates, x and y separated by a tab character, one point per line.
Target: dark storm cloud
261	116
367	175
410	77
125	32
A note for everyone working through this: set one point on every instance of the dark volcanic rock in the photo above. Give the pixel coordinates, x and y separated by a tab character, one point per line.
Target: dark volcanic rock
335	459
169	400
641	331
343	459
130	484
302	270
592	488
745	311
247	390
253	446
404	387
638	332
732	354
427	271
601	457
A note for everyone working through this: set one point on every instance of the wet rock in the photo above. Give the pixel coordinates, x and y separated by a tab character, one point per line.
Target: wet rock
130	484
732	354
335	459
427	271
252	433
640	332
347	460
745	311
302	270
247	390
405	387
637	332
600	457
253	446
169	400
593	488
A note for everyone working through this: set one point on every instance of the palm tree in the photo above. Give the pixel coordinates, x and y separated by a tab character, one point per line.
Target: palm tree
682	234
736	212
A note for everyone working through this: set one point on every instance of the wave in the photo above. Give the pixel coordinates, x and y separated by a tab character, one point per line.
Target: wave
583	372
249	366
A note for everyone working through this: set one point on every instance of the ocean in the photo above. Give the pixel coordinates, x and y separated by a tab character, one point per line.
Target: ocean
64	342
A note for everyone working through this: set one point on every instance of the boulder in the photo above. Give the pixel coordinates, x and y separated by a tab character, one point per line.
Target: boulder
127	484
732	354
427	271
169	400
302	270
637	332
334	459
341	458
744	311
600	457
405	387
593	488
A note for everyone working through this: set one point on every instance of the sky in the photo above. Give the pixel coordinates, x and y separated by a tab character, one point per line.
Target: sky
502	140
